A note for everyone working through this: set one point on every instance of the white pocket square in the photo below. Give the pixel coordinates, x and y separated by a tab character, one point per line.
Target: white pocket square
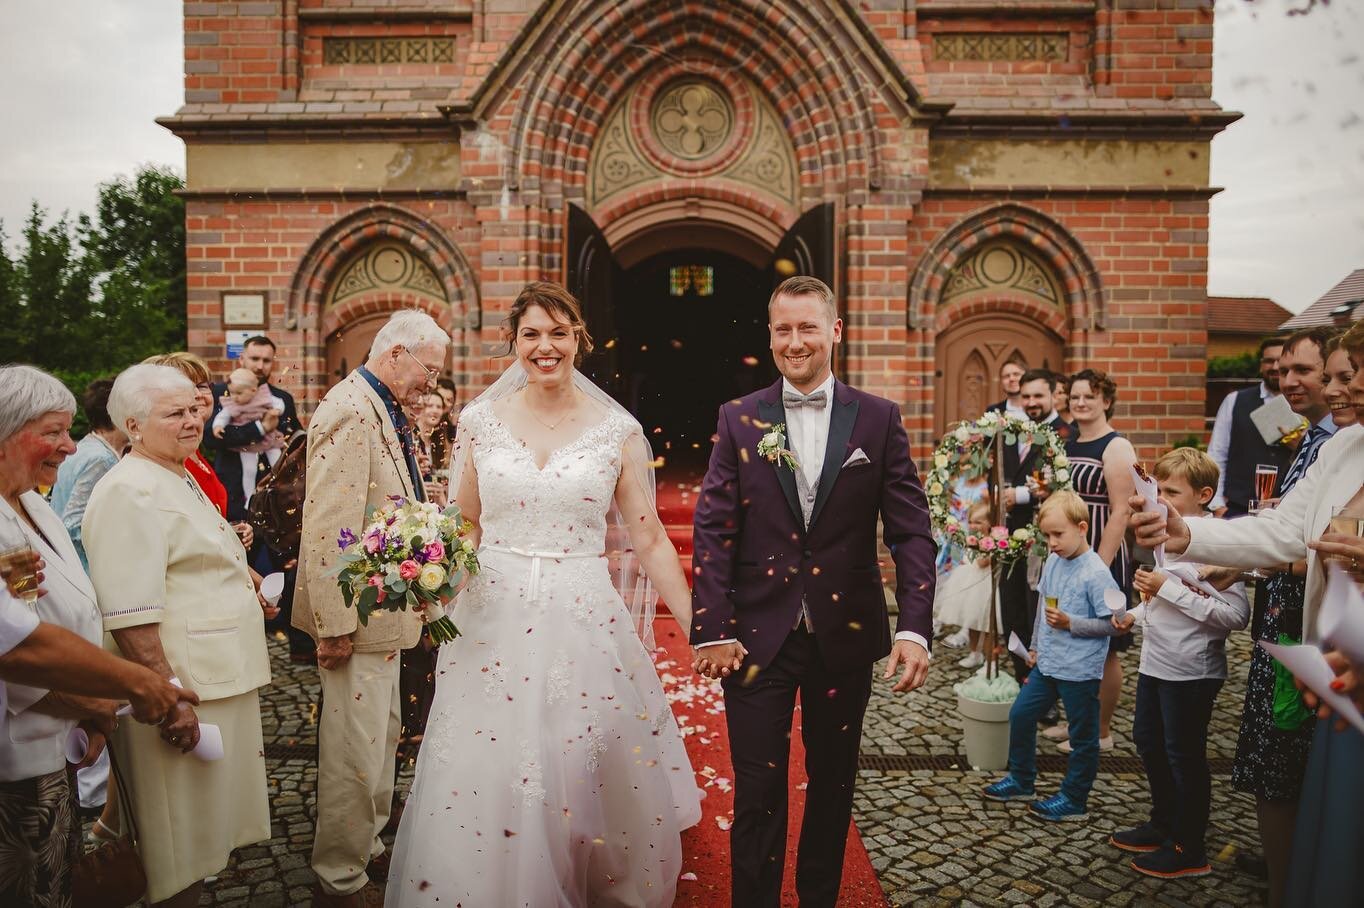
856	457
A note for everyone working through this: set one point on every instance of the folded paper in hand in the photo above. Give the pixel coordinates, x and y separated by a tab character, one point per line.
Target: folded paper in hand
1146	488
1340	621
1310	667
1275	419
1016	646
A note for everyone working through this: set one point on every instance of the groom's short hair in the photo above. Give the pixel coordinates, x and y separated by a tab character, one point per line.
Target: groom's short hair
805	285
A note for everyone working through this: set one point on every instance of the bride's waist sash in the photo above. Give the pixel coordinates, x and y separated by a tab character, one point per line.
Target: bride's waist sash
537	560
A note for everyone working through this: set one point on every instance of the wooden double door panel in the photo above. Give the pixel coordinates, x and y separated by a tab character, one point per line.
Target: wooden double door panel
969	356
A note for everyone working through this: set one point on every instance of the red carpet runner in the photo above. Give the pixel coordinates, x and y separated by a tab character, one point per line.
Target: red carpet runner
699	707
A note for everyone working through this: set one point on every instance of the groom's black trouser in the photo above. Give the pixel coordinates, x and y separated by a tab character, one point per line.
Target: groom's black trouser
1017	610
759	719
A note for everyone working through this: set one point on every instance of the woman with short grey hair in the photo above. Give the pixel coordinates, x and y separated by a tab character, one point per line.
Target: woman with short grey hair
177	596
39	838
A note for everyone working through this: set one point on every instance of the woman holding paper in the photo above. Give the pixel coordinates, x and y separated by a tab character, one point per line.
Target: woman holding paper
38	835
177	597
1297	529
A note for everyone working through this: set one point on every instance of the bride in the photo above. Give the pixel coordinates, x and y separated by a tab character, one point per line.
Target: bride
552	772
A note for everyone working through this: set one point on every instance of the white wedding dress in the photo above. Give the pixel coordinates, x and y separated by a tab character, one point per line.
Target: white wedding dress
552	772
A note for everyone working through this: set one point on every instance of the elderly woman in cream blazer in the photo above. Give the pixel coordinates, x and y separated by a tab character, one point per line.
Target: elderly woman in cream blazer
38	834
177	596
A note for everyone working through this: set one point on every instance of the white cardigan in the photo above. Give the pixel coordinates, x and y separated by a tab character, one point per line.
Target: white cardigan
1280	536
34	743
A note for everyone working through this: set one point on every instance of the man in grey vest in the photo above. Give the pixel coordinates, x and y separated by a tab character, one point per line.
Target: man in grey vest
1236	445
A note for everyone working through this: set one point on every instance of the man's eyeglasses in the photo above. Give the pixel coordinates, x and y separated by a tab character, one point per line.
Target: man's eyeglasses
431	374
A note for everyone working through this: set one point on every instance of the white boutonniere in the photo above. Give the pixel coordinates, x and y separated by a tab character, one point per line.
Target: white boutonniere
772	447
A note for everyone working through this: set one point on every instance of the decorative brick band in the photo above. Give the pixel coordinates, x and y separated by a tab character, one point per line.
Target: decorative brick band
377	51
1050	47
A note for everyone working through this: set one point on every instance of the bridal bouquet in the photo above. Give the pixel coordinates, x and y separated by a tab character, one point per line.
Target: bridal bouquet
411	555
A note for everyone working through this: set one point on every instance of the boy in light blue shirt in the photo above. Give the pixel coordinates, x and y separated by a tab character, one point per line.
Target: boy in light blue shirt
1069	647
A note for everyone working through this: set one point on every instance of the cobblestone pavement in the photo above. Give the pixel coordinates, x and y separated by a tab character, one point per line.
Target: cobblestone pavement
933	840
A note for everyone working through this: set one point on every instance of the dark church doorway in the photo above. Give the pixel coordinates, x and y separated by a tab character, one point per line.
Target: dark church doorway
692	333
684	328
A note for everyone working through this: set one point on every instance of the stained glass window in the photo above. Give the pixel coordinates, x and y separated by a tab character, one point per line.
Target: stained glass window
698	279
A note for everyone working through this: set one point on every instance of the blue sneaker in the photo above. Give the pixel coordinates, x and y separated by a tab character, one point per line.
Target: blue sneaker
1058	809
1007	789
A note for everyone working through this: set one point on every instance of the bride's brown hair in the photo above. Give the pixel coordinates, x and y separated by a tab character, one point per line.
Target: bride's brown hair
561	306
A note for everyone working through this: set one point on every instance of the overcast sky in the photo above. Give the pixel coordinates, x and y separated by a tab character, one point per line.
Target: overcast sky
84	80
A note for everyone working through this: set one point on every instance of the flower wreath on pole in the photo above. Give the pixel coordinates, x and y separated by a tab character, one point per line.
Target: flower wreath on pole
965	452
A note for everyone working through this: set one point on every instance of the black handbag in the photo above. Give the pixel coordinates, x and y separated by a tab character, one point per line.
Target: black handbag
111	876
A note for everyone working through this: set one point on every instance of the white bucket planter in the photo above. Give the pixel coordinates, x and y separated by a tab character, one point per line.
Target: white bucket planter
986	727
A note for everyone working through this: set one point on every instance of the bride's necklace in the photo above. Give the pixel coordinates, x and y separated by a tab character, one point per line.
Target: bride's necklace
548	425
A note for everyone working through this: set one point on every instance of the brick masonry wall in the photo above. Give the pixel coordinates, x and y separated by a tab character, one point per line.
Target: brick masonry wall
1149	250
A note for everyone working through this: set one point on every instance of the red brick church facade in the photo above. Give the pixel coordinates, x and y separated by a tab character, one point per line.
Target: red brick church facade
977	180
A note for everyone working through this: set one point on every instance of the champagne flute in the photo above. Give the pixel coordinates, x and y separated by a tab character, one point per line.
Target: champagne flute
19	562
1266	477
1348	521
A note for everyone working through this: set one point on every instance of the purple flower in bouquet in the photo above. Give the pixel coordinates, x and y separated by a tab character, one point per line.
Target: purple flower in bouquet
346	538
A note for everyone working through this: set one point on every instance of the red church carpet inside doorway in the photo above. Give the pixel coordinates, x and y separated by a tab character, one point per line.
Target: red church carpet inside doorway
699	707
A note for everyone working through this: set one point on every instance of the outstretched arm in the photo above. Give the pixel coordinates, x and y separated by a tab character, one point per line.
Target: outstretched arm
647	536
909	536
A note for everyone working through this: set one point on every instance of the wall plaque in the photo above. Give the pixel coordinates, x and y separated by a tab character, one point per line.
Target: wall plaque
243	310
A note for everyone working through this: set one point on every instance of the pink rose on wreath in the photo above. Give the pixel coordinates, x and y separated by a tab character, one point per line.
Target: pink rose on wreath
999	532
374	540
971	540
433	551
409	570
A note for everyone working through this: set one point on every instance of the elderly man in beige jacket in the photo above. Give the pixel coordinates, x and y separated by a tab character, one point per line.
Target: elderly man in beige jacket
360	453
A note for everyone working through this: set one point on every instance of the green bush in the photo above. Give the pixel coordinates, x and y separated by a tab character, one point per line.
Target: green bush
1190	441
1246	365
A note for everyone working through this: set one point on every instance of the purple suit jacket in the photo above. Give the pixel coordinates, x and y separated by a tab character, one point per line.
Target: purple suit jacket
754	559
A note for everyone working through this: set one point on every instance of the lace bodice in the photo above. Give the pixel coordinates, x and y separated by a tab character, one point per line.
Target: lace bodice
560	508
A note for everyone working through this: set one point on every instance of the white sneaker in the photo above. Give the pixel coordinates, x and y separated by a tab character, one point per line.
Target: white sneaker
957	640
1058	732
973	659
1105	745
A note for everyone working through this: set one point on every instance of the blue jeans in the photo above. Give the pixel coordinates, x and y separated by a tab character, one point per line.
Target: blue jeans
1170	729
1081	699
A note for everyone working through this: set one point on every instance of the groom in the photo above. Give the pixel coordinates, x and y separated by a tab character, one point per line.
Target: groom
787	590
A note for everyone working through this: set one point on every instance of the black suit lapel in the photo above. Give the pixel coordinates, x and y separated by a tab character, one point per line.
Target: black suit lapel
841	422
773	413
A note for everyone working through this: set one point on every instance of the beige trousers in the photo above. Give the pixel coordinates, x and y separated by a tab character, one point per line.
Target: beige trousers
357	741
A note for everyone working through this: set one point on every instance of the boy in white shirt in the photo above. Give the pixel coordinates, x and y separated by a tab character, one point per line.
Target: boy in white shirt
1183	665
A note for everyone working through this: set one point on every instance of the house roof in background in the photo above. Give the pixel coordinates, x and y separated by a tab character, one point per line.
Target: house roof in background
1249	315
1349	290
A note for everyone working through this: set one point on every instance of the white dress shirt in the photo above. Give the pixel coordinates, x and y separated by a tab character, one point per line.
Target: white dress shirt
1219	444
1021	493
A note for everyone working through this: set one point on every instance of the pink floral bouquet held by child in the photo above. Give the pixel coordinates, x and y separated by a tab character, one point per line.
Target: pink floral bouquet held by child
412	555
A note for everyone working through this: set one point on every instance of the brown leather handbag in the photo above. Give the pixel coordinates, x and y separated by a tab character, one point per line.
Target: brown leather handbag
111	876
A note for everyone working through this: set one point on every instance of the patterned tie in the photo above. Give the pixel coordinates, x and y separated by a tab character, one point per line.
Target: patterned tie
1306	456
794	401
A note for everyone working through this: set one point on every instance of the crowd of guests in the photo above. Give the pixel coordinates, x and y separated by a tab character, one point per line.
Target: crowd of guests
1258	564
148	549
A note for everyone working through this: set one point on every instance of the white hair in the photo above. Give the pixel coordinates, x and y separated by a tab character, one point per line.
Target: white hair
136	386
411	329
27	392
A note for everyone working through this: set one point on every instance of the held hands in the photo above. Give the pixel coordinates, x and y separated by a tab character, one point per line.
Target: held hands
333	652
718	661
1152	529
180	729
914	659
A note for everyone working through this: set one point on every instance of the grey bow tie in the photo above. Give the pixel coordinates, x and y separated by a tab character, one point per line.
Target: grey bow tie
793	401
